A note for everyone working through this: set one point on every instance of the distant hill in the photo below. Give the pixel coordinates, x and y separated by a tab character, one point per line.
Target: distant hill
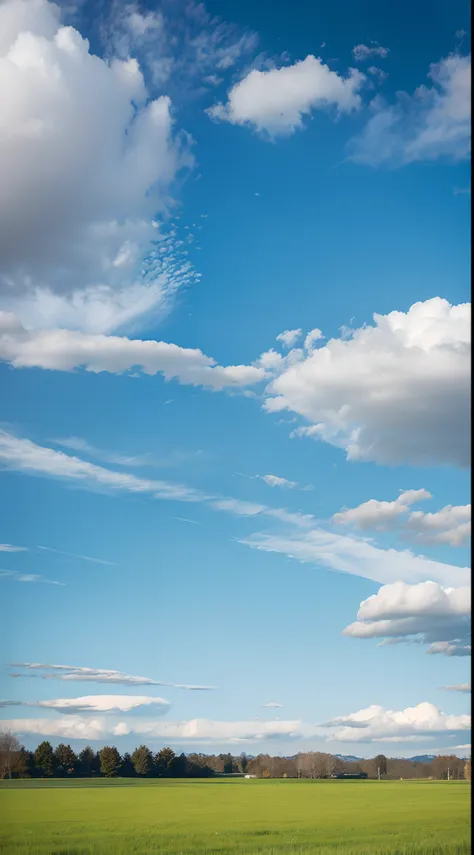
349	758
422	758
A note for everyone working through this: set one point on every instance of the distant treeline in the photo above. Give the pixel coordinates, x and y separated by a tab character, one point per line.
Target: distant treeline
46	762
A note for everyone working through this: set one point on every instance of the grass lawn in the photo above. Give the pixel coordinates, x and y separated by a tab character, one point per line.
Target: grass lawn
234	816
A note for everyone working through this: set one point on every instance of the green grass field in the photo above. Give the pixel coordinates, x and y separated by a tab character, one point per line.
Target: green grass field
235	816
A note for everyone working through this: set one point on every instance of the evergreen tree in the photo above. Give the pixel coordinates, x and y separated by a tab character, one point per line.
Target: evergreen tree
127	769
243	762
142	760
164	761
89	762
44	759
109	761
65	760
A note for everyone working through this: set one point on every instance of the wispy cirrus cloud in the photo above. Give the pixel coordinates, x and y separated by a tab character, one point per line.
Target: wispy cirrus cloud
75	555
28	577
465	688
23	455
356	556
432	123
7	547
72	673
97	704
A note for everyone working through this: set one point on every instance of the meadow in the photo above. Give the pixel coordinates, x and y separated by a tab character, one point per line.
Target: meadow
245	817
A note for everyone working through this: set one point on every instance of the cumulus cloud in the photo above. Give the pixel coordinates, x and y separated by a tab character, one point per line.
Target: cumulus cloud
377	393
451	524
450	648
289	337
88	160
97	704
376	724
93	675
65	350
277	101
358	557
364	52
432	123
273	705
427	612
194	731
380	515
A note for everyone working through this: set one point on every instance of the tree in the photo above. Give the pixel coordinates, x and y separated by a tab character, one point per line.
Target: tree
10	752
243	762
164	761
26	764
65	759
380	763
89	762
227	763
109	761
44	759
127	769
142	760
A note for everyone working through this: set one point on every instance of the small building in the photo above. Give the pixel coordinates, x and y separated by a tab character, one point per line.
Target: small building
347	776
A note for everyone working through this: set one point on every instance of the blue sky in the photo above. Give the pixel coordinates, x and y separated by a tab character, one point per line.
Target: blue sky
211	184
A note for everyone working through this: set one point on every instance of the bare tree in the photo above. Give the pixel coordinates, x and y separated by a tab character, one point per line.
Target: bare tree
10	753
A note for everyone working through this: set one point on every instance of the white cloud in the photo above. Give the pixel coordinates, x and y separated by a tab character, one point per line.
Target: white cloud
450	525
289	337
28	577
380	515
312	337
74	555
93	675
182	47
88	159
378	73
377	393
376	724
276	101
194	731
7	547
276	481
358	557
461	687
432	123
26	456
427	611
273	705
97	704
64	350
66	727
364	52
450	648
